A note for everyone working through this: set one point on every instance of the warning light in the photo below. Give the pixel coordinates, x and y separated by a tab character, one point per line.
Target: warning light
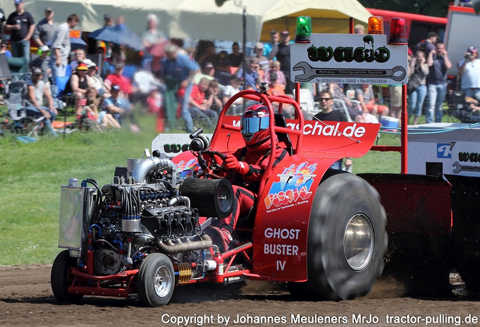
398	31
375	25
304	29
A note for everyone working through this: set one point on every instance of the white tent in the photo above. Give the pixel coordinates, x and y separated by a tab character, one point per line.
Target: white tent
196	19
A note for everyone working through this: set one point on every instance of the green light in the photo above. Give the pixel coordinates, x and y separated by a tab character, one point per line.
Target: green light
304	29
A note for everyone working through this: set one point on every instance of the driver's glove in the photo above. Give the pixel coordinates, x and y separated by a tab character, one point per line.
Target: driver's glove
231	162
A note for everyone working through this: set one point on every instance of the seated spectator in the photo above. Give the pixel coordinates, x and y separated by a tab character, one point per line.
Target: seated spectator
38	91
222	71
118	79
4	49
90	110
119	107
95	80
144	84
207	72
328	114
275	68
354	111
79	82
236	57
273	87
232	89
364	94
198	105
42	62
252	76
261	59
212	94
79	58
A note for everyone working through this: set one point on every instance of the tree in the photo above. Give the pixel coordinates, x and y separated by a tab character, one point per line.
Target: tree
437	8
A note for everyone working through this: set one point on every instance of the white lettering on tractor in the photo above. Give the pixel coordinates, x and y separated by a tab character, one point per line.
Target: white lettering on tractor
281	265
282	233
280	249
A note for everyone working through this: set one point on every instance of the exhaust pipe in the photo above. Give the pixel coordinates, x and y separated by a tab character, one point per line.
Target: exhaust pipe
205	243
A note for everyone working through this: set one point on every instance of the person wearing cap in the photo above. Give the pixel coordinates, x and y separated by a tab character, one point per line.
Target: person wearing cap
37	91
469	69
107	20
117	78
79	82
119	107
262	61
252	77
283	55
269	46
45	28
21	25
152	35
95	80
42	62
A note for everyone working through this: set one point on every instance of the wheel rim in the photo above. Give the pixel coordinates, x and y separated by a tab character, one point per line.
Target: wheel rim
358	242
163	281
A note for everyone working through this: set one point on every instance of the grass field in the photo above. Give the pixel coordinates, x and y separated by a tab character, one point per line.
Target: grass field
31	176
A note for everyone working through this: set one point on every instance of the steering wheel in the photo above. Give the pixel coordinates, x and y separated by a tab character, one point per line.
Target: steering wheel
212	164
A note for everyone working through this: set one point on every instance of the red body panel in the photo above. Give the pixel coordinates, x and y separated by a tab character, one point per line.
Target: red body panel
285	201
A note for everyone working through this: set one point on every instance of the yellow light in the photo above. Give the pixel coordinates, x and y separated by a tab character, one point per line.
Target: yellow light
375	25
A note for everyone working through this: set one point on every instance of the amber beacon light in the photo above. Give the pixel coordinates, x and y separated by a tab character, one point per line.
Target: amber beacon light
375	25
398	31
304	29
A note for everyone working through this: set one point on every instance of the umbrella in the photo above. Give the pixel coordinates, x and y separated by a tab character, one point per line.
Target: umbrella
157	49
77	43
111	34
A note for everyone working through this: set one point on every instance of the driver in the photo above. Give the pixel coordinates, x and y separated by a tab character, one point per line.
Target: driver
248	164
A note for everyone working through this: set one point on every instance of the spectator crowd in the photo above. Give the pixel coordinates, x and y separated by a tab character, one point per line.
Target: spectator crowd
187	87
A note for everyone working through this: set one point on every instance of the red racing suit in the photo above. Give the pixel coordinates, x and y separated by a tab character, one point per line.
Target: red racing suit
253	162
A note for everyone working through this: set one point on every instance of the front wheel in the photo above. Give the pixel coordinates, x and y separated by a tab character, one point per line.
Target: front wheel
156	280
61	279
346	240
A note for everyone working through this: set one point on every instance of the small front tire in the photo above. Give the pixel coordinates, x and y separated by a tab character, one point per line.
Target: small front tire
61	279
156	280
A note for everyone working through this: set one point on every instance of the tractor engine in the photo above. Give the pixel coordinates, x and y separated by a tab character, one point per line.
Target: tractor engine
141	212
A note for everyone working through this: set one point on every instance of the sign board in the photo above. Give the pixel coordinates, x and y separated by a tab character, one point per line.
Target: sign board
457	149
172	144
349	58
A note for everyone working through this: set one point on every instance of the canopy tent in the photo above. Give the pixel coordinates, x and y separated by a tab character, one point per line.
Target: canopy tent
327	16
202	19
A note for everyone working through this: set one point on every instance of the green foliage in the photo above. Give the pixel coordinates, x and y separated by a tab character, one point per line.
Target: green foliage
424	7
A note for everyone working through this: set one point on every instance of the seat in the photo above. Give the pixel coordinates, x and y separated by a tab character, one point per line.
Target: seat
342	106
16	102
283	138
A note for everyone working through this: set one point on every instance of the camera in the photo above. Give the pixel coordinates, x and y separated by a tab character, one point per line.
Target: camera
468	54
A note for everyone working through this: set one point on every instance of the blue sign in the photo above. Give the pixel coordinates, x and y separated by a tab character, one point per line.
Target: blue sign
444	151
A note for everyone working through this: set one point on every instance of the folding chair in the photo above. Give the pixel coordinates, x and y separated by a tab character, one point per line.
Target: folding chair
15	99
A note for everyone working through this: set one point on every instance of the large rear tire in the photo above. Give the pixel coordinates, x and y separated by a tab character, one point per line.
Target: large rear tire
346	240
156	280
61	279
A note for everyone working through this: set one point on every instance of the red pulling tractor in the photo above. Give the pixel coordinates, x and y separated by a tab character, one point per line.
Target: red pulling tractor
320	230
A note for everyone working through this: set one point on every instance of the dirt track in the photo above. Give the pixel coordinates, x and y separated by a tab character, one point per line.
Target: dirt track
27	300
